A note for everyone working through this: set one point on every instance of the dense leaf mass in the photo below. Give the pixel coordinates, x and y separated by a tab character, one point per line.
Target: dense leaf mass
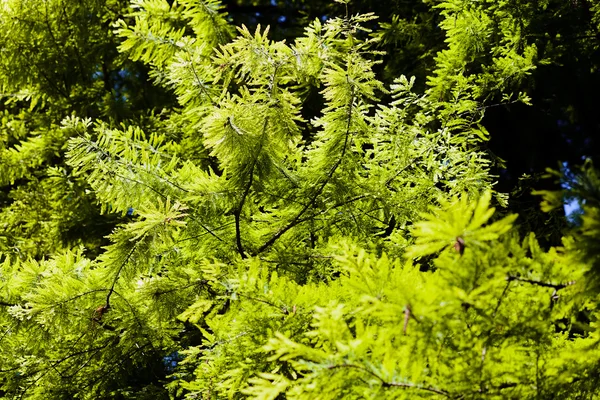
196	205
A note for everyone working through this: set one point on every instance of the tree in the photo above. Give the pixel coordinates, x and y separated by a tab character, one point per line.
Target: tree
59	59
269	248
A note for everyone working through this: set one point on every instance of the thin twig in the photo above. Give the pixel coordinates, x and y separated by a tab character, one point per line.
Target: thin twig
297	219
112	287
556	286
406	385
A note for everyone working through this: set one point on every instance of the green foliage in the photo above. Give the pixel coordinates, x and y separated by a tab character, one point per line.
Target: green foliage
59	60
264	252
460	224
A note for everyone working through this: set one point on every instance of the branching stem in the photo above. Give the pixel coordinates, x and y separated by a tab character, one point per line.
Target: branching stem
405	385
297	219
556	286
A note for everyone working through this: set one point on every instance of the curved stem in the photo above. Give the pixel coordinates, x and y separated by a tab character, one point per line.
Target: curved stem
297	219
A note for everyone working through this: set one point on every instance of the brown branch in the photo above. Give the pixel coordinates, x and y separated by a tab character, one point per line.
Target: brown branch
501	298
555	286
207	229
405	385
260	301
238	211
72	298
397	174
200	282
297	219
337	205
238	232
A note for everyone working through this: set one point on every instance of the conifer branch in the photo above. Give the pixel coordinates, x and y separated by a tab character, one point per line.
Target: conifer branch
59	90
208	231
237	213
168	181
385	383
78	296
132	309
111	290
501	298
291	198
7	331
397	174
282	308
230	340
258	300
217	26
556	286
238	233
129	165
333	207
90	358
200	282
120	359
297	219
79	353
164	197
54	364
406	318
69	26
198	81
489	331
368	163
10	369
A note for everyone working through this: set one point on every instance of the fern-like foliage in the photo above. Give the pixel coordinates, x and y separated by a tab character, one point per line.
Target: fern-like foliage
266	252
